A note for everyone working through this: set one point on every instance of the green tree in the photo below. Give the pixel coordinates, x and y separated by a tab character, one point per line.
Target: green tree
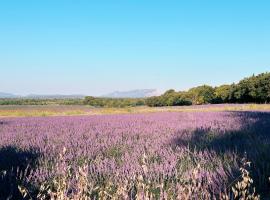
222	94
202	94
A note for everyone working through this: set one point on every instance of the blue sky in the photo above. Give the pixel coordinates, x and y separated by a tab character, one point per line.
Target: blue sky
95	47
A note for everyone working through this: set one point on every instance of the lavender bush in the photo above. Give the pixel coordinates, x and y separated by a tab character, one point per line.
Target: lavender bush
158	155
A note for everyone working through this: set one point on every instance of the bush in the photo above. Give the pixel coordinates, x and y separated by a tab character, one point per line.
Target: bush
113	102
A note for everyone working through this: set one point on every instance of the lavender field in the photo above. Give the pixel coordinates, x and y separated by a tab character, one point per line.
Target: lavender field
163	155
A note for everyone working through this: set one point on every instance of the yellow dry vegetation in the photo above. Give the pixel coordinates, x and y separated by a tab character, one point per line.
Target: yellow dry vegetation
54	110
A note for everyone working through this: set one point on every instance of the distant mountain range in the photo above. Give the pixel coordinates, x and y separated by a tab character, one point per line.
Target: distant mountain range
141	93
55	96
132	93
8	95
40	96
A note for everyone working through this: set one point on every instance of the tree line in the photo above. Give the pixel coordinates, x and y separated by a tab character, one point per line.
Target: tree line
113	102
88	100
24	101
254	89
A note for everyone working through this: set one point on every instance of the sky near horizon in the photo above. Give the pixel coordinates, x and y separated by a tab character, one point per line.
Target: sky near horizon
96	47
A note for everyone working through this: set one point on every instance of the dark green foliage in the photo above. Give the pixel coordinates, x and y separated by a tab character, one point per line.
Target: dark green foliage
202	94
154	101
113	102
222	93
254	89
169	98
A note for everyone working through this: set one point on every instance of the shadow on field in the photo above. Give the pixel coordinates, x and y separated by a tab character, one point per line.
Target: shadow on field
252	140
3	123
14	165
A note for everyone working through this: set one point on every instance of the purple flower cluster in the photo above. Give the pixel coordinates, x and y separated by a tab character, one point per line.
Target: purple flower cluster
114	145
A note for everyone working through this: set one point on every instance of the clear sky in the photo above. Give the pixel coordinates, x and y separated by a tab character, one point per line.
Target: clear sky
95	46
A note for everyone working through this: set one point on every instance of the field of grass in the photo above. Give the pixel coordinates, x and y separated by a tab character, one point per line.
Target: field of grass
78	152
69	110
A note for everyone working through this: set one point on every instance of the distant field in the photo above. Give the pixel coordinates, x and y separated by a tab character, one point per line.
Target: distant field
70	110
